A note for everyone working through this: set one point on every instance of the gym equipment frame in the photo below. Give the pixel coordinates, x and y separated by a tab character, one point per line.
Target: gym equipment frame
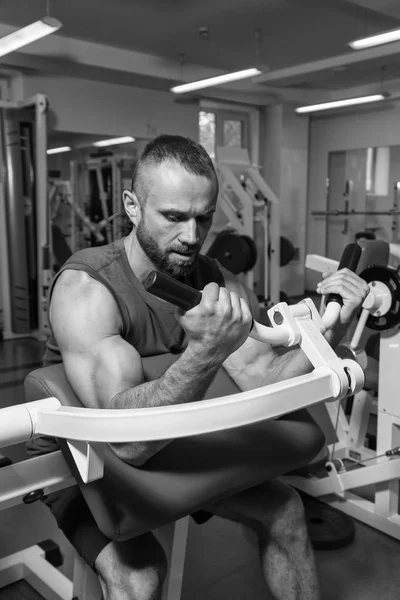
348	212
352	464
13	255
88	430
240	199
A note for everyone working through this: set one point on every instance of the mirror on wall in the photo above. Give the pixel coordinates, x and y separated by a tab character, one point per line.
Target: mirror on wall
86	177
363	187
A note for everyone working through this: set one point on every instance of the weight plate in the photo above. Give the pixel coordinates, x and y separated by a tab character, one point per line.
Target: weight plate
328	528
232	251
390	278
252	252
287	251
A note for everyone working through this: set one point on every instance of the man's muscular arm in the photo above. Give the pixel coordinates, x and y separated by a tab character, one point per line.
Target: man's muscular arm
106	372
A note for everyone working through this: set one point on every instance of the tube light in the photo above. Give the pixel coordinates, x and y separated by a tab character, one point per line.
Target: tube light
376	40
58	150
114	141
218	80
340	103
27	35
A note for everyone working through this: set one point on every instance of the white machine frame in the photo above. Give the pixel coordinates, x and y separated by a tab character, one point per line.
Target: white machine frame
88	430
231	162
40	103
340	488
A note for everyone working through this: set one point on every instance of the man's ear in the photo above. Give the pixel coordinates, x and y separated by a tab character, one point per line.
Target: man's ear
132	206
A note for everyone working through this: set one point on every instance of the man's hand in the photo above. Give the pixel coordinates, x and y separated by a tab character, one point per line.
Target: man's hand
349	286
219	324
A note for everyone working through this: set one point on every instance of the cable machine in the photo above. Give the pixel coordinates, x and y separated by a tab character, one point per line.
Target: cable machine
247	226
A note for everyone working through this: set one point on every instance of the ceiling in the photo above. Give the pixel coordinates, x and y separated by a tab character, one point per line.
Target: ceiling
291	32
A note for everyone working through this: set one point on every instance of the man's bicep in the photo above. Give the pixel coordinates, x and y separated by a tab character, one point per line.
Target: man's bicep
85	321
109	367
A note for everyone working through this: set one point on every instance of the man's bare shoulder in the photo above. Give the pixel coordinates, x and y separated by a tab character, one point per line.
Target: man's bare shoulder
80	301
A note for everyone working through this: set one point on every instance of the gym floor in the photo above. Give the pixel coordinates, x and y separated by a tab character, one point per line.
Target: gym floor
222	560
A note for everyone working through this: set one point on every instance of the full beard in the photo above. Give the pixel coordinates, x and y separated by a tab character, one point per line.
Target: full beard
163	260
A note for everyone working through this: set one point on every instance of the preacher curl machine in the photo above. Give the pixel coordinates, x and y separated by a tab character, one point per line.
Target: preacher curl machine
160	497
359	479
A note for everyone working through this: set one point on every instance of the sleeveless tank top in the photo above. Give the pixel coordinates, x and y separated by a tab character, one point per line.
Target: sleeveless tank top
148	323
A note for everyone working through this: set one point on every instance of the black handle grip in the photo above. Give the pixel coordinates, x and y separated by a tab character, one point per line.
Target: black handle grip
167	288
350	259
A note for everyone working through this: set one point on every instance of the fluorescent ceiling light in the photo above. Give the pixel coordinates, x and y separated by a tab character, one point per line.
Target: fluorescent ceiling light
376	40
27	35
340	103
58	150
211	81
114	141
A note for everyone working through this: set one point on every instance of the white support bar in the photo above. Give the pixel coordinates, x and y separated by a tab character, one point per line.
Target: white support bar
359	419
16	422
356	478
48	472
161	423
89	458
321	264
177	559
230	178
30	564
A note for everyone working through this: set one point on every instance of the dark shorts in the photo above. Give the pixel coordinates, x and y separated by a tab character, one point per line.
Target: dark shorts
75	519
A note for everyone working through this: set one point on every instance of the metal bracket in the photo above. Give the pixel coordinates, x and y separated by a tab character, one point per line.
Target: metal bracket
334	476
89	459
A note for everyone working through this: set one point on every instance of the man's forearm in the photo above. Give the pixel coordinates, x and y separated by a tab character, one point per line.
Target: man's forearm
186	380
257	364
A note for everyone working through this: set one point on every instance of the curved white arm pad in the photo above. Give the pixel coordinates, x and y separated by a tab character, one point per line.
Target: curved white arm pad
169	422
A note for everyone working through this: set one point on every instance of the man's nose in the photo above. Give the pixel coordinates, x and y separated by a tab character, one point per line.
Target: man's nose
189	234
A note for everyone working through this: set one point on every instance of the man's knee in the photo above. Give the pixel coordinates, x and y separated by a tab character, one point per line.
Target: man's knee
282	512
136	567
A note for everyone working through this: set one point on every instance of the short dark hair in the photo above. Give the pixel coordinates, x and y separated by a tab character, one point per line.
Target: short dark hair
190	155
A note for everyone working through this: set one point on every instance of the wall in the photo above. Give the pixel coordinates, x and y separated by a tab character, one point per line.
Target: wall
379	126
285	164
79	105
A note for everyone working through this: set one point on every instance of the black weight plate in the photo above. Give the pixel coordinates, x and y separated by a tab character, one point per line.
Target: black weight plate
287	251
253	254
231	251
328	528
390	278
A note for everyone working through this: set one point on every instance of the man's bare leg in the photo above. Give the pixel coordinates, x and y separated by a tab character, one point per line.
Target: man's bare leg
132	570
275	512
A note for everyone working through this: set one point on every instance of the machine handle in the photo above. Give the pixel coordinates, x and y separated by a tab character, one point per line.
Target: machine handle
350	259
165	287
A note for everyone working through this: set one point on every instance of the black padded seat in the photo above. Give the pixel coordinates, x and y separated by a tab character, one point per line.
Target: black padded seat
189	473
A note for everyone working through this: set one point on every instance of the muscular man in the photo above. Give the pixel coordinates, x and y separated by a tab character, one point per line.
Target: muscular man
104	323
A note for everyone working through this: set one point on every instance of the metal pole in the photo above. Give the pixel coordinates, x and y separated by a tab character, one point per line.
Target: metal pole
42	213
